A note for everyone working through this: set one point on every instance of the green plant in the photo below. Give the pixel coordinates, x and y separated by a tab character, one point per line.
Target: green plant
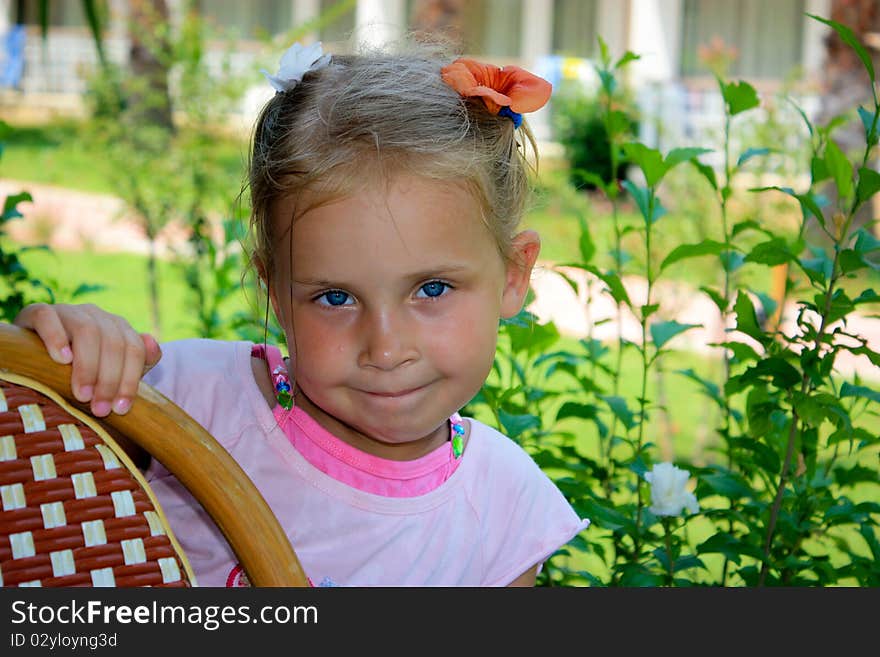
581	125
786	495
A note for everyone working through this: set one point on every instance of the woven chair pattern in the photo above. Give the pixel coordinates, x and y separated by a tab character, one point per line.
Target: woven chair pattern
75	511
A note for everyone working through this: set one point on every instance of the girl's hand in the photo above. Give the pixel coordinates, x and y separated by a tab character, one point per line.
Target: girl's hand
109	357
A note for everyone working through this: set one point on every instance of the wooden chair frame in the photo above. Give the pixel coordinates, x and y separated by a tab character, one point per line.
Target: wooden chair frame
190	453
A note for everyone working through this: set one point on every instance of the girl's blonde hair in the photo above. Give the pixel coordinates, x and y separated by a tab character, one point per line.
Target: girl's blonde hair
364	118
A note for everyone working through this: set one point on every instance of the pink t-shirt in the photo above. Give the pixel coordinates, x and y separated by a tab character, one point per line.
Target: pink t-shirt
486	521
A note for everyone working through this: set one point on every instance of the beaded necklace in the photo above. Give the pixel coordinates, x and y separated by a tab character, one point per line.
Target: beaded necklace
284	395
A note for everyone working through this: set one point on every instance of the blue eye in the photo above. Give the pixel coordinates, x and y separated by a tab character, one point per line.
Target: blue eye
334	298
433	289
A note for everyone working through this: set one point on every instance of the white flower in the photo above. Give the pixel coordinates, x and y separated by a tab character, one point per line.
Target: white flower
668	494
295	63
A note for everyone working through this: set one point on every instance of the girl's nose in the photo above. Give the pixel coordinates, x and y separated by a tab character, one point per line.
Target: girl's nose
387	341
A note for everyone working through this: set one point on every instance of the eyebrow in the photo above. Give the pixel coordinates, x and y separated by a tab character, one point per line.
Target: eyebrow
434	272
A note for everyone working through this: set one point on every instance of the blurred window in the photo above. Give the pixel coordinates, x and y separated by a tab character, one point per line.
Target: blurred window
61	14
765	37
248	19
492	27
574	28
340	29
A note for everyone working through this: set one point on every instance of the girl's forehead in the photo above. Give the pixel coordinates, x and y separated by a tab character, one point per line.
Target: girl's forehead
403	204
406	222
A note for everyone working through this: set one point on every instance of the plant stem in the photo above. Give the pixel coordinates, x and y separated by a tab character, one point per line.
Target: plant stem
805	384
645	362
668	533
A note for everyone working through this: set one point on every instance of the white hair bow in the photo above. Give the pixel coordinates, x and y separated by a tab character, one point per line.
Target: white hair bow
295	63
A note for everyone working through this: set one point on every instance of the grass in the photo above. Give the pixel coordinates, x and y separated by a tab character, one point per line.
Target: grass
60	154
123	279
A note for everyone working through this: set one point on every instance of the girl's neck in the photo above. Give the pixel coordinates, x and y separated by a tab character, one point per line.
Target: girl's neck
397	452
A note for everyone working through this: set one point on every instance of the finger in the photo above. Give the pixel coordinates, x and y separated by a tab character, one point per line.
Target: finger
110	367
44	320
153	352
86	345
132	371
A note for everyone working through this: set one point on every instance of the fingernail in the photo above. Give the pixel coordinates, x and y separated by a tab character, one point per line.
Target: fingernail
121	405
66	355
85	393
101	408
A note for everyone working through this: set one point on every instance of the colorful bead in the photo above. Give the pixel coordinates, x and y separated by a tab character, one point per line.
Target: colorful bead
457	432
283	389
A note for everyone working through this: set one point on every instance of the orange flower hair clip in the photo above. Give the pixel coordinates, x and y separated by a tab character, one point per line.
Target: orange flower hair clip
507	91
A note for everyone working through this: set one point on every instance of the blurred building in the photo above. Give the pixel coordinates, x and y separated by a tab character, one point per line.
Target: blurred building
767	43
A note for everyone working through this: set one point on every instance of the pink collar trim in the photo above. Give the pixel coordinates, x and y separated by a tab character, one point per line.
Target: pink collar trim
353	467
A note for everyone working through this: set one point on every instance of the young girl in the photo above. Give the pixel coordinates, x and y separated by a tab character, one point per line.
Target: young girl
386	191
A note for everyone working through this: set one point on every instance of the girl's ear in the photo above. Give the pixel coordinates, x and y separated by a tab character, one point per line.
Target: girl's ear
524	249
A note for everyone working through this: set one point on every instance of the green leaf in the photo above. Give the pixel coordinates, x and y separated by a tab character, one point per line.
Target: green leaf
869	184
742	352
710	388
663	332
10	211
620	409
648	309
739	97
818	170
761	454
818	269
604	55
618	123
532	338
723	543
607	517
642	197
746	318
649	160
574	409
808	202
803	114
850	390
678	155
855	475
716	297
687	561
866	242
627	57
758	409
840	168
749	154
868	119
849	38
609	83
727	484
516	425
867	296
772	252
781	372
708	173
587	247
851	261
810	410
685	251
615	287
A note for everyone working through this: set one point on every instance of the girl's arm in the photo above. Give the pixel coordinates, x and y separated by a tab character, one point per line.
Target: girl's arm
527	578
109	357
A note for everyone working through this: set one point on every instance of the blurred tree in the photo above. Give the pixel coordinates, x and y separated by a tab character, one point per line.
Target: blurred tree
845	82
149	59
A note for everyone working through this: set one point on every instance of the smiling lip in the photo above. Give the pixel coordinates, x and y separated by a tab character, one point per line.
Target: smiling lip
394	395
